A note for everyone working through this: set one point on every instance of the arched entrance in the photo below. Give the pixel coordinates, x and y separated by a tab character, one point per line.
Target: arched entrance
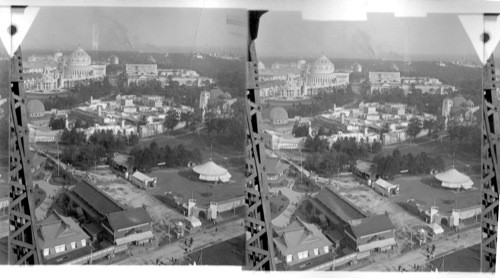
202	214
444	221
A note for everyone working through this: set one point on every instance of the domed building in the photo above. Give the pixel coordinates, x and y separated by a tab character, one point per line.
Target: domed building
36	113
78	67
321	74
278	116
35	108
458	101
215	93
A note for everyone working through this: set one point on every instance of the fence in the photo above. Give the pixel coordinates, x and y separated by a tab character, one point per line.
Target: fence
336	262
92	256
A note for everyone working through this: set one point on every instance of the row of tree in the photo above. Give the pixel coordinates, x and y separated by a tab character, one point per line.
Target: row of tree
341	156
145	159
84	154
389	166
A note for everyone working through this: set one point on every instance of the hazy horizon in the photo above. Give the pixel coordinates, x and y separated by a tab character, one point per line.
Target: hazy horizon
137	29
382	36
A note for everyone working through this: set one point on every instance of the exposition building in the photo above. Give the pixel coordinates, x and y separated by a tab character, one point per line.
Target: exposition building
58	72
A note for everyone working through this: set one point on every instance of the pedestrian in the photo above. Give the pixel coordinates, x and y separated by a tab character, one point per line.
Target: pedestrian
215	230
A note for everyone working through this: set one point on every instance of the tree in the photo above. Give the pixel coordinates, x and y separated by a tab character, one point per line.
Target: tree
414	127
171	119
300	130
57	123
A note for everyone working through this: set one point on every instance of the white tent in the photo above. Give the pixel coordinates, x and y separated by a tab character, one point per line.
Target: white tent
436	228
194	221
210	171
454	179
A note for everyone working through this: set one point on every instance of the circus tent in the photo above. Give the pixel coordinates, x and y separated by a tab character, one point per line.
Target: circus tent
209	171
454	179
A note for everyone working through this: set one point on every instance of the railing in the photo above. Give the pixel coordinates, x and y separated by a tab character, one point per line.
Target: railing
336	262
92	256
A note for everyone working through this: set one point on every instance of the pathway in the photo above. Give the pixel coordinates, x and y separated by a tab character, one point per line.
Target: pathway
176	249
419	256
51	190
295	197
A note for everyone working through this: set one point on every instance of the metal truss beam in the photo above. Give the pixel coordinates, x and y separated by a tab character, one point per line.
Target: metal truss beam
259	251
490	167
22	240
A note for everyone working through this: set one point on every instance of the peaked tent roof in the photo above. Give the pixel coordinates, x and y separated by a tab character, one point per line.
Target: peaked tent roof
453	176
209	168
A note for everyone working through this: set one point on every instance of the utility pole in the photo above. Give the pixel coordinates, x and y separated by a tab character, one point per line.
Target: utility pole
58	161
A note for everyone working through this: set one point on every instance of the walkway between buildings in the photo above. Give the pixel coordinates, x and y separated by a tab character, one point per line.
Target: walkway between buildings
51	191
295	197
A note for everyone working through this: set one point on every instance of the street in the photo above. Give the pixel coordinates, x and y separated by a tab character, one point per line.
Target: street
176	250
419	256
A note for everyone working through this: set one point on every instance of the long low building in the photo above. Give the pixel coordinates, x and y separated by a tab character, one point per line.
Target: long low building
371	234
339	211
94	203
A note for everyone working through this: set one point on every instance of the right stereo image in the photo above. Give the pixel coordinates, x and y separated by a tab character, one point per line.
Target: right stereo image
371	144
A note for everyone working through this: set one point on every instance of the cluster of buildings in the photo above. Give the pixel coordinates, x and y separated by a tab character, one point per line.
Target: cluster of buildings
121	115
95	218
58	72
383	82
300	80
347	231
371	122
142	73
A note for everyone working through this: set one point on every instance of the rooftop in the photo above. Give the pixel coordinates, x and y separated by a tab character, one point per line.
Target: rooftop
300	236
373	225
129	219
96	198
339	206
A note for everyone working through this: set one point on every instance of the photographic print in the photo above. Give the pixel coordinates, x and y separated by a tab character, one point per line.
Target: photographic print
373	142
136	129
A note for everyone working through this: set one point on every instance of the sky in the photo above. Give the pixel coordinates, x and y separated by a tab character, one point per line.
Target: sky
382	35
160	29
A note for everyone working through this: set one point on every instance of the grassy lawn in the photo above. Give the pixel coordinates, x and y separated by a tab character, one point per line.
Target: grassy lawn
420	189
229	252
465	156
185	182
278	205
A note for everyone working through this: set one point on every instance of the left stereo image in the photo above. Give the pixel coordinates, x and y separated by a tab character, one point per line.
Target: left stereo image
127	138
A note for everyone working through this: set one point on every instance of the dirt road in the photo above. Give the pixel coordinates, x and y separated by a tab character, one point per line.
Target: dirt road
419	256
176	250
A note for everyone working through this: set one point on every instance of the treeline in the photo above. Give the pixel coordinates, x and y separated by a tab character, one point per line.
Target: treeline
342	155
84	154
230	128
427	103
79	95
389	166
145	159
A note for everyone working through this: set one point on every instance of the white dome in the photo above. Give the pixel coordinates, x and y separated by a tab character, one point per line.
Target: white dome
79	58
322	66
